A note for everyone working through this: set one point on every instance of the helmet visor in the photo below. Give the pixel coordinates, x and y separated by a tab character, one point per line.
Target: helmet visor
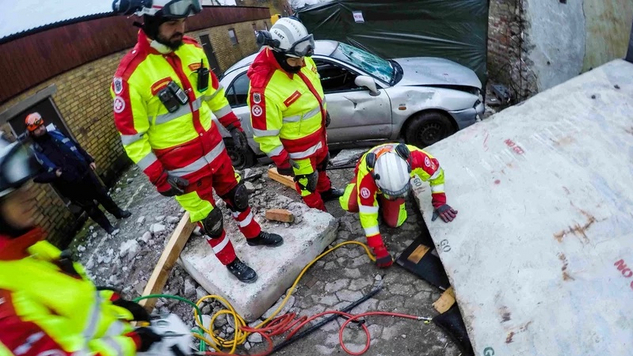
302	48
18	166
181	8
393	195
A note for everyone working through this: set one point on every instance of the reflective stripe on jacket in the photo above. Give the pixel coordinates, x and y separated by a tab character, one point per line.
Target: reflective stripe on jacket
45	311
423	165
184	143
287	110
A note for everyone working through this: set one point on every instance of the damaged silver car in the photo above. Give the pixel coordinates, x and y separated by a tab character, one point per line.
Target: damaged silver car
372	100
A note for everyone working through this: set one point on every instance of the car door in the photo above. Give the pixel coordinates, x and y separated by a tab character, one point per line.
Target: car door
237	94
356	115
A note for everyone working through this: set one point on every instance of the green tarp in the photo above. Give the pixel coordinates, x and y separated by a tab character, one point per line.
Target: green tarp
452	29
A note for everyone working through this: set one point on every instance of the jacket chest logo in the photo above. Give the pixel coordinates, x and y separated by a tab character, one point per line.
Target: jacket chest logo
157	86
292	98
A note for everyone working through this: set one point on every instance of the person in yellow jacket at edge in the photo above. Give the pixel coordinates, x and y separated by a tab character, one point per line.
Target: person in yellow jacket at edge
164	101
288	109
48	306
381	183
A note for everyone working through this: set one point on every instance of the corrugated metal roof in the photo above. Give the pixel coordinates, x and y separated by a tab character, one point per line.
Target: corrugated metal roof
25	15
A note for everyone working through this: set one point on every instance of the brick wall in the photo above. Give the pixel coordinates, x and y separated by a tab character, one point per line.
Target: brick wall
508	63
84	103
226	52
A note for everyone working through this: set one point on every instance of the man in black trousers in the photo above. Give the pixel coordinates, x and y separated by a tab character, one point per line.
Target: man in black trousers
69	168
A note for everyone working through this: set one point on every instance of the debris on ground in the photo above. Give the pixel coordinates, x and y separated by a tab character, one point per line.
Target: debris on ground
126	261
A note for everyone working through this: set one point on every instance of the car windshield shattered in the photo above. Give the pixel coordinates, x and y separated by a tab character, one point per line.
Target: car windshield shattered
366	61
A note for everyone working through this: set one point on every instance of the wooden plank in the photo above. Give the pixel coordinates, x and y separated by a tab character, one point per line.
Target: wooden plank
445	301
285	180
418	253
167	260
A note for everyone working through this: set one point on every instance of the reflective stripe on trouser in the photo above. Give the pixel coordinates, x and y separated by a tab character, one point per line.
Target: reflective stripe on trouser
222	248
394	212
246	222
308	166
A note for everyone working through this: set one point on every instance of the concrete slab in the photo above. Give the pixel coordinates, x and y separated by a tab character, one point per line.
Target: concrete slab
540	254
277	267
349	156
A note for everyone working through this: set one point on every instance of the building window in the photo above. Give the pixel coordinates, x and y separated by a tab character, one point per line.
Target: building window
233	36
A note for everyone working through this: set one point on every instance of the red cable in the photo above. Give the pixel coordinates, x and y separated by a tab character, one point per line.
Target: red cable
286	322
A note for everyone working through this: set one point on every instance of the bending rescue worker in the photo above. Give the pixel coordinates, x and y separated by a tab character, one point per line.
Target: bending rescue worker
164	97
381	182
288	110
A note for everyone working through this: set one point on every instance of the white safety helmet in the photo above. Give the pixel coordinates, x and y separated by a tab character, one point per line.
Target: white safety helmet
17	165
163	8
392	175
291	38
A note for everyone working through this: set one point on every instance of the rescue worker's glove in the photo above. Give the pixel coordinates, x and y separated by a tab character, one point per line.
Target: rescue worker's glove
144	338
328	120
383	258
138	312
239	138
287	169
177	186
445	212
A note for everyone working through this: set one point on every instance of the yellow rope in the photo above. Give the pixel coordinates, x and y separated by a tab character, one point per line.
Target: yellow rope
218	343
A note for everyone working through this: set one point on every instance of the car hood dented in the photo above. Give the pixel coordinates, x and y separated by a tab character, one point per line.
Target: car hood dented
435	71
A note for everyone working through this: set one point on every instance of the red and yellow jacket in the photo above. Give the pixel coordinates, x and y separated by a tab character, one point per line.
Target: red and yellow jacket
46	310
422	164
185	143
287	110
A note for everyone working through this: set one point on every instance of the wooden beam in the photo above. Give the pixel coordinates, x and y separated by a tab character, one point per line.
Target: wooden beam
285	180
167	260
445	301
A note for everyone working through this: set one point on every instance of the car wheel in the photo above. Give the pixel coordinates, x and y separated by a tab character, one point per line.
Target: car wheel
239	158
427	128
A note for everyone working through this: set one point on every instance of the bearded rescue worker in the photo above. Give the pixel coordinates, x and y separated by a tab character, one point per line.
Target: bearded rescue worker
382	181
288	110
164	97
47	304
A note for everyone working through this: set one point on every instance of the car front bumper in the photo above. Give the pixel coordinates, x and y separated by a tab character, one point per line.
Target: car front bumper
467	117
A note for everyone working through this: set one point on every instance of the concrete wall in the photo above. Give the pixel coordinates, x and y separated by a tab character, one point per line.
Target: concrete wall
84	103
537	44
576	36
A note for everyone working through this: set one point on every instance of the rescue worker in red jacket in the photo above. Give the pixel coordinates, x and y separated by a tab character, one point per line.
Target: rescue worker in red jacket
164	99
381	183
288	110
47	304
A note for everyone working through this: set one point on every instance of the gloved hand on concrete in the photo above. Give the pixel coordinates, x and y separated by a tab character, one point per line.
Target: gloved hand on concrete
383	258
144	338
177	184
445	212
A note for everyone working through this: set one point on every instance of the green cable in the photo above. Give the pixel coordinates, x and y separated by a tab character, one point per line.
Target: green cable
168	296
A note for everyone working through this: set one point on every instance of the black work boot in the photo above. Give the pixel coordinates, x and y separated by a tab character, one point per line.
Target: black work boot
266	239
332	194
241	271
123	214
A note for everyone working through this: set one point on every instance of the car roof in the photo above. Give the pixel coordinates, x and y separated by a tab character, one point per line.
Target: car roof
322	48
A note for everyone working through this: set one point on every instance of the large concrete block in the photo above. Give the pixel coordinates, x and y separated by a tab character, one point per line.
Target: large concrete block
276	267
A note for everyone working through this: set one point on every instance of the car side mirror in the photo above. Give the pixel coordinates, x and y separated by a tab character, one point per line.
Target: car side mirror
367	82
